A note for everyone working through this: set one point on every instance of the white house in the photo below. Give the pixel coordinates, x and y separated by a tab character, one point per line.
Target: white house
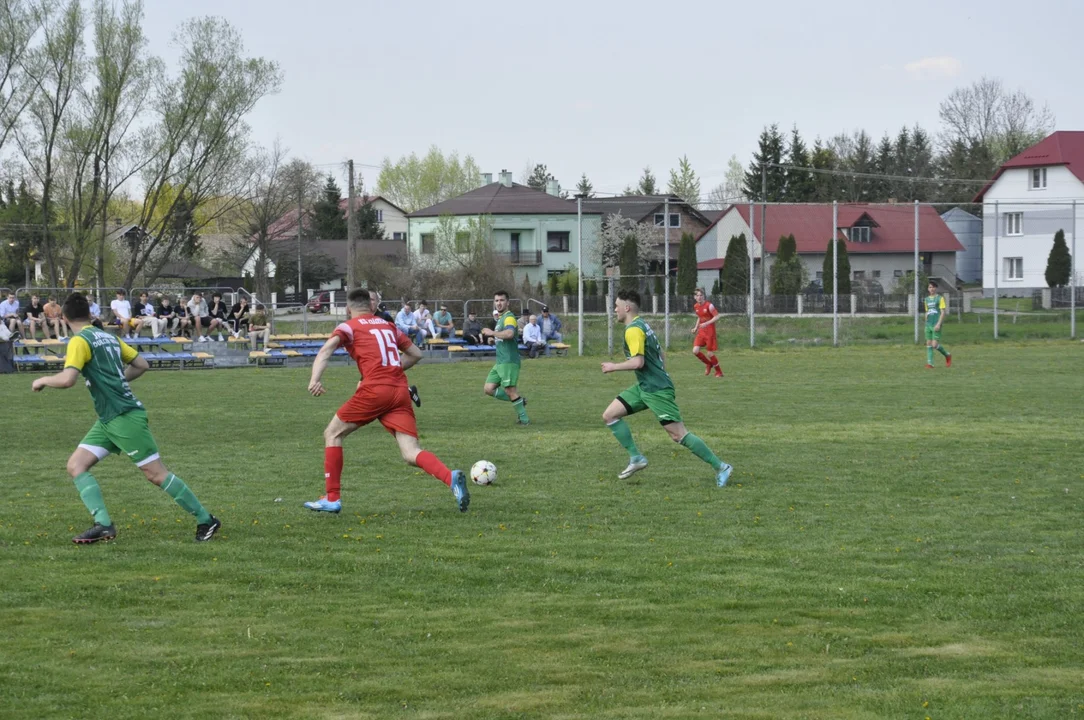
1030	198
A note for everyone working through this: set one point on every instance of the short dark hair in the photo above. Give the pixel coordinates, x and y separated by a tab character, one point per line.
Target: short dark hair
359	300
216	294
76	308
120	291
931	281
629	296
501	293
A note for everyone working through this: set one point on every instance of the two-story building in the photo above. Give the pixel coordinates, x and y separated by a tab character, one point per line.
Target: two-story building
536	231
1030	198
655	212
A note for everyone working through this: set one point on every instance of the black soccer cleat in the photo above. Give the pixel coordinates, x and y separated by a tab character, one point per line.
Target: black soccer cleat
414	396
98	533
206	531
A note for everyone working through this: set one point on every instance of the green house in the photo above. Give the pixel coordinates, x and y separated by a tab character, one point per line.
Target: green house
535	231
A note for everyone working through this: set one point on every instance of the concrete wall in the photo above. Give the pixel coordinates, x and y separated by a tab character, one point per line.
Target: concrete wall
394	221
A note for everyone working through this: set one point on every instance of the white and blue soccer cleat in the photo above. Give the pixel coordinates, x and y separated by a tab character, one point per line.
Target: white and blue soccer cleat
636	464
723	475
325	505
459	490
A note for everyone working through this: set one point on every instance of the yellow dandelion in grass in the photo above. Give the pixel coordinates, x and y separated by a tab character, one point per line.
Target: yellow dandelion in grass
926	703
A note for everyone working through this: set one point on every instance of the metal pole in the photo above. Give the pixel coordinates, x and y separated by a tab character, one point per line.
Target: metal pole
835	273
666	264
610	314
1072	280
752	275
351	231
996	234
300	292
916	272
763	223
579	270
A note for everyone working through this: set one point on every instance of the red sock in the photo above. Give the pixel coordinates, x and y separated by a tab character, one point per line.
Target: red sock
703	358
715	360
431	464
333	471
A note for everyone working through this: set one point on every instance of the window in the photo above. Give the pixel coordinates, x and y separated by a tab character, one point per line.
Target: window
380	216
1038	178
859	234
675	219
557	241
859	274
876	273
462	241
429	244
398	236
897	273
1014	268
1014	223
820	275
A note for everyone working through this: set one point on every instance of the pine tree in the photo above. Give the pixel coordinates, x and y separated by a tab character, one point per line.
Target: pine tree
844	265
584	187
686	274
660	286
684	183
800	184
735	279
716	287
539	177
366	218
787	270
922	163
647	185
541	289
1059	266
329	222
826	187
769	151
630	264
861	161
526	289
883	164
552	282
903	161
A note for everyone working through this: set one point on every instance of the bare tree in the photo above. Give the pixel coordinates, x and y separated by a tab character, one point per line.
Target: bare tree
257	218
18	24
985	114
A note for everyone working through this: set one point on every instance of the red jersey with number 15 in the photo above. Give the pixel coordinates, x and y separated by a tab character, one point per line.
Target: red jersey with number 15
705	311
374	344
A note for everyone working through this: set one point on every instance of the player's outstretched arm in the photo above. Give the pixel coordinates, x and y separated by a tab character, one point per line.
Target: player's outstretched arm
634	363
62	380
318	367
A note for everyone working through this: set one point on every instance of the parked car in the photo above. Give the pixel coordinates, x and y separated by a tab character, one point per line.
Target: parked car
319	303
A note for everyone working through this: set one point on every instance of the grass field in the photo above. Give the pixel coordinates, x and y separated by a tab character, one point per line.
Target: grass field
895	543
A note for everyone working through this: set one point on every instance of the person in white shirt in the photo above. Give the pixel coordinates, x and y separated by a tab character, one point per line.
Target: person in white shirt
424	319
9	313
95	314
404	320
532	337
122	316
197	311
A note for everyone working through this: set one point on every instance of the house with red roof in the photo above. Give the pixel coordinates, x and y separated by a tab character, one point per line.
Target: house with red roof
1028	200
880	241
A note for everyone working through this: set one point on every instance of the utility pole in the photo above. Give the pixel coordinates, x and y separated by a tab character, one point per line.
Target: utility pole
763	224
351	232
300	217
579	271
666	267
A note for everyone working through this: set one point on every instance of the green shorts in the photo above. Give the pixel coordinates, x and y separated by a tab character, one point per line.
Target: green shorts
932	334
128	433
504	374
662	402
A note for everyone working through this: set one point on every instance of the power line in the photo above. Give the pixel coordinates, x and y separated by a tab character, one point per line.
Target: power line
878	176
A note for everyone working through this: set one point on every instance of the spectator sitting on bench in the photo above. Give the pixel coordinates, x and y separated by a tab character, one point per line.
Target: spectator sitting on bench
95	313
443	320
532	337
167	316
9	314
217	311
408	324
239	317
54	316
35	318
550	324
472	330
144	310
259	328
425	321
184	318
122	316
522	322
197	311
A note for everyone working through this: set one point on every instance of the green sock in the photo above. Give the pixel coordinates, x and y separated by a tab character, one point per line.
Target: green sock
621	431
521	410
176	489
698	448
91	495
941	349
502	395
929	355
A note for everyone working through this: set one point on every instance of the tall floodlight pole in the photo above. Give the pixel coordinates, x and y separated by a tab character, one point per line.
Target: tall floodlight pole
752	275
579	270
835	273
666	268
916	272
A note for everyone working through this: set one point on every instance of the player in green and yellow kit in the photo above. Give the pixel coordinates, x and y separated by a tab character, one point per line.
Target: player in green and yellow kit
122	422
504	377
654	391
935	315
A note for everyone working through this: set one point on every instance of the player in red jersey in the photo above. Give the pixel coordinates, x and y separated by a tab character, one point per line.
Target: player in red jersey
382	354
706	317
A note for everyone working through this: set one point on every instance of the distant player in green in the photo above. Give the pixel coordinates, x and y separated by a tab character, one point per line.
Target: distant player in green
503	378
122	422
654	391
935	315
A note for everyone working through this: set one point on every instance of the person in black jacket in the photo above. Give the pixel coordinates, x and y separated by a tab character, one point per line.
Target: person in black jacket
217	312
238	317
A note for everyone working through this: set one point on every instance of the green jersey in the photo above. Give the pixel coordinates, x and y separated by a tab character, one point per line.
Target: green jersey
101	358
507	350
640	340
935	308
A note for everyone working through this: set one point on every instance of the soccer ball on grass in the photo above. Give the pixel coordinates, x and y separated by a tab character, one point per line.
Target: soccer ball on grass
483	472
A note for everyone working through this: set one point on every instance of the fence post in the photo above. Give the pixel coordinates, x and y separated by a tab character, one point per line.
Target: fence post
854	304
1072	280
800	300
654	304
1046	299
996	278
610	315
564	302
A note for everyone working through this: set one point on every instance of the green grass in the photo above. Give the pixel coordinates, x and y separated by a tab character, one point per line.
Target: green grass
895	543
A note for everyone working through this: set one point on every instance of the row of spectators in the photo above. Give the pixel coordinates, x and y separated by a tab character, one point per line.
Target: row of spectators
534	331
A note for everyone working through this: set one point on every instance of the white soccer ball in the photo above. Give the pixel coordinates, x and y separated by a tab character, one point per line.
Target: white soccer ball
483	472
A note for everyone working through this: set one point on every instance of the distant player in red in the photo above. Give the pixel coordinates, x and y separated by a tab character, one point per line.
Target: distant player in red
706	317
382	354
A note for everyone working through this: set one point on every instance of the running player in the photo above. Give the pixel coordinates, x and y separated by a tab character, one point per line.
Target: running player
654	391
935	315
382	354
122	422
503	378
704	330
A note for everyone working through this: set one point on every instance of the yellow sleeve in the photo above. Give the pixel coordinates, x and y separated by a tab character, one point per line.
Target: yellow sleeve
510	322
941	305
78	353
127	352
635	339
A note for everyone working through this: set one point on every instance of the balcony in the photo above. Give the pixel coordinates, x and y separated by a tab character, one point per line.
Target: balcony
522	257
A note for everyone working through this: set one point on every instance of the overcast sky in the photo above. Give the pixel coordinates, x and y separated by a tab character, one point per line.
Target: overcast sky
607	87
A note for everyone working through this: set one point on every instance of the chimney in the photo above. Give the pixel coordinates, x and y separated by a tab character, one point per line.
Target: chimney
553	188
487	178
506	178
